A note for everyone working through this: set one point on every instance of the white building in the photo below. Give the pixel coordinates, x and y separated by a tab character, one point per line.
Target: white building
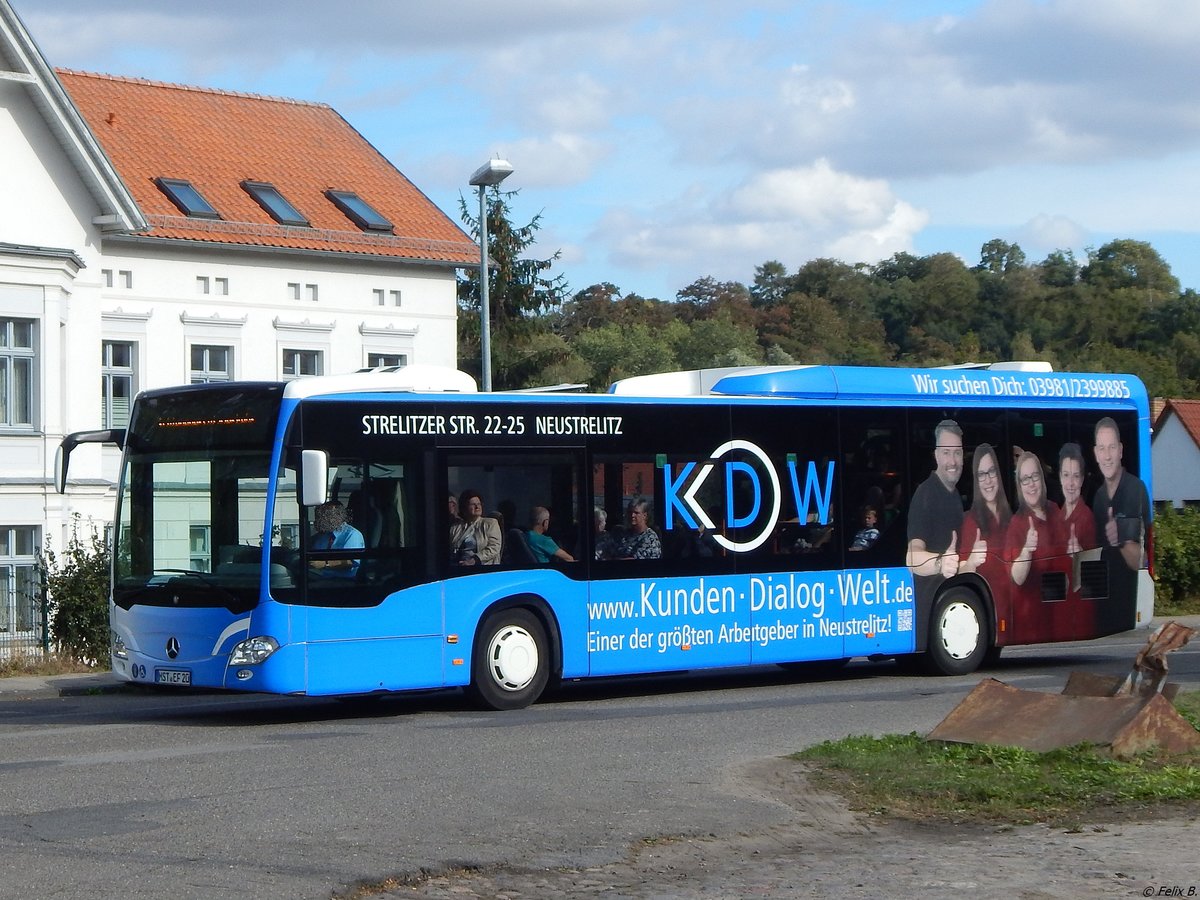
155	234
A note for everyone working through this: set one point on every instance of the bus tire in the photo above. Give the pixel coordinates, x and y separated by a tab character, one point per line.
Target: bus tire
511	659
958	633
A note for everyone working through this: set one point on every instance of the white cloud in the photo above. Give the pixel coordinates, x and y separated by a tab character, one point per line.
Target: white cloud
791	215
1045	233
555	160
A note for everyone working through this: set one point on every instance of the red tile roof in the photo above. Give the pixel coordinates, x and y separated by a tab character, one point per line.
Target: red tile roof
1188	413
218	139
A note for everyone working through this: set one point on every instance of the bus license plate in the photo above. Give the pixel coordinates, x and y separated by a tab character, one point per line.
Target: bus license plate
172	676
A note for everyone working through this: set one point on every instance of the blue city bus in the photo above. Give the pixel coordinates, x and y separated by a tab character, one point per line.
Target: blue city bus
708	519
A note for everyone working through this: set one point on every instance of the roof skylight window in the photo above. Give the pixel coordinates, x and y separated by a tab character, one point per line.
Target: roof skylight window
359	211
268	197
187	198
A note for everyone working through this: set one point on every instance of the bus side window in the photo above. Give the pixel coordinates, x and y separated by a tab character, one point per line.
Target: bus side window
873	454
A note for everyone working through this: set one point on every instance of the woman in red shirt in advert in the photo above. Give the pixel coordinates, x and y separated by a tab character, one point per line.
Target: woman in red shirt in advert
1079	532
1035	547
985	526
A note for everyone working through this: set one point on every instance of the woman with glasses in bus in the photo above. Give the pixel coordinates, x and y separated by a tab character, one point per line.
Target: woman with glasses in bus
1034	545
474	539
985	526
640	541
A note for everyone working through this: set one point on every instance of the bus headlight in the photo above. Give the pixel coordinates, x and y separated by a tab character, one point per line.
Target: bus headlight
118	646
253	651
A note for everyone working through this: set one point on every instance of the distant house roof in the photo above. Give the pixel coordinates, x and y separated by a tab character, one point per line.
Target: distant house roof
1188	413
226	145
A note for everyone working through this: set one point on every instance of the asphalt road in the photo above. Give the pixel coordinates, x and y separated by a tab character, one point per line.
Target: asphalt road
138	793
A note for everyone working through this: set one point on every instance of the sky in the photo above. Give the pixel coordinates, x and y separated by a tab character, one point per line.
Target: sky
663	141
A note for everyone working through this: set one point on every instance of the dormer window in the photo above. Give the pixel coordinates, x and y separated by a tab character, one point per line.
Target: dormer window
187	198
268	197
359	211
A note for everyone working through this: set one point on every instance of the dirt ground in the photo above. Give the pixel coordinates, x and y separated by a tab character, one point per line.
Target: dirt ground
829	851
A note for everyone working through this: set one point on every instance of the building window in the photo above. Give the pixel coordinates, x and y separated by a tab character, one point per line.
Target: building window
117	380
278	208
200	554
379	294
202	284
221	286
310	292
293	290
297	363
20	603
17	359
187	198
359	211
125	278
395	297
383	360
210	363
106	276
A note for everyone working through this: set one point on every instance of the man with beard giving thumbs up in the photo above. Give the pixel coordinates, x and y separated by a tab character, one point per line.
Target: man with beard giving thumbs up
935	520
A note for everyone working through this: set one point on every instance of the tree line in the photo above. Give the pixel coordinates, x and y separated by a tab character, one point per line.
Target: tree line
1118	310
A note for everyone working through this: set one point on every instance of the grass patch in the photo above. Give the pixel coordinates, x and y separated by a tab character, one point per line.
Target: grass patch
1167	609
908	777
38	663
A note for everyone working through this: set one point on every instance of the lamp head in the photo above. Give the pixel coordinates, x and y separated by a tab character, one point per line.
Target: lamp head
491	173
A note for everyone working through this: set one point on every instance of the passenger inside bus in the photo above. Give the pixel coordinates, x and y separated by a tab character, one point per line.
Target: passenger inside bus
640	541
475	540
543	547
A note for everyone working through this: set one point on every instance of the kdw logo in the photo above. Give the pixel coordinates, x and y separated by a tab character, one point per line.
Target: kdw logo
755	471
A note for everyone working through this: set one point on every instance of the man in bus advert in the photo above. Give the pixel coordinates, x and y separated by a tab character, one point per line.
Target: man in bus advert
333	532
1120	509
935	517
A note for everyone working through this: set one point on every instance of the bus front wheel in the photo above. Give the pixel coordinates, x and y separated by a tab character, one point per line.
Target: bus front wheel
509	667
958	633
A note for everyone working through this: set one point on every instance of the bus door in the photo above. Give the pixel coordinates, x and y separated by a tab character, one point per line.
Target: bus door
371	617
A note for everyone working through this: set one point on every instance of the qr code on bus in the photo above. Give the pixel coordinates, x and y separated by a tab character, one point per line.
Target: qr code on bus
904	620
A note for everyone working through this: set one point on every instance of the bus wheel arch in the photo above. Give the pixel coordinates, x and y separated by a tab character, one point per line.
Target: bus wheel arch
960	632
516	654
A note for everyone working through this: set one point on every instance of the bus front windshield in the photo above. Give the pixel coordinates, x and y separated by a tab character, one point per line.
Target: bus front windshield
193	507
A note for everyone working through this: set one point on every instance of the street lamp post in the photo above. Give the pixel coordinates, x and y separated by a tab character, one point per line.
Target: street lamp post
490	173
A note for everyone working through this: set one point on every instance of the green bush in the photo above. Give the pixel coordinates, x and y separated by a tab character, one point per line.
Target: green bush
77	584
1177	557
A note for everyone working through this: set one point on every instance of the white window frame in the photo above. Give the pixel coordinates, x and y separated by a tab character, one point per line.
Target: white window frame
376	360
18	412
112	374
206	374
292	356
19	614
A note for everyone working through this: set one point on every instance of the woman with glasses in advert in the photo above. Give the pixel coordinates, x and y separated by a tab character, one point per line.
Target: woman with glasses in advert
985	526
1034	545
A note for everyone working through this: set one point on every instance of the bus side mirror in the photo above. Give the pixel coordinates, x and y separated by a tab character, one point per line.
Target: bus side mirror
314	477
62	457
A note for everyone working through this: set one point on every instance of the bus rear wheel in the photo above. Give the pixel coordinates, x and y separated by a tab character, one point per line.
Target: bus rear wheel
958	633
510	662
